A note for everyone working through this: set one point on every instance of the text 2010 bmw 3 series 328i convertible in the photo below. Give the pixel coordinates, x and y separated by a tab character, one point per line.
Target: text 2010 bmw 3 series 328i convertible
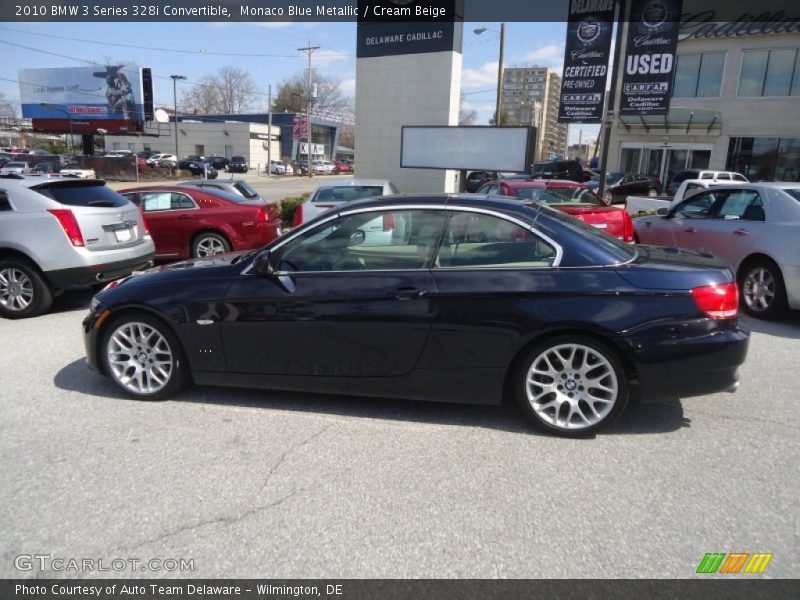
457	298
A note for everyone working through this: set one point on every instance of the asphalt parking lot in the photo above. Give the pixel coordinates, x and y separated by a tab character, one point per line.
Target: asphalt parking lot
250	483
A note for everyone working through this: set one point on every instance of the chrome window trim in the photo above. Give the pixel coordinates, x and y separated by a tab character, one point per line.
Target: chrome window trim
194	204
529	227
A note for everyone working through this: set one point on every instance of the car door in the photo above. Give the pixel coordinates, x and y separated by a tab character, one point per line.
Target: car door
738	225
678	228
170	217
335	307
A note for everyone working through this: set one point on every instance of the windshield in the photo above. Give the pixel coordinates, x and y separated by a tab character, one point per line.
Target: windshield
347	193
561	196
621	251
793	192
247	190
15	165
83	194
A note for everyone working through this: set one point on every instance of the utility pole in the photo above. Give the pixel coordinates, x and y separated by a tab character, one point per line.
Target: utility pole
608	119
580	141
175	79
269	131
310	50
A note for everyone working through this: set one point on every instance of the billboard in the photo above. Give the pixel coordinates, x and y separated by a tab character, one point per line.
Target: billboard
652	42
470	148
586	54
101	96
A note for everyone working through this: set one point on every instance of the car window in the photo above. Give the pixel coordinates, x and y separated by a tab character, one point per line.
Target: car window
738	177
346	193
133	197
725	176
180	201
706	175
570	196
692	188
474	240
793	192
745	205
156	201
490	189
696	207
5	205
375	240
247	190
81	194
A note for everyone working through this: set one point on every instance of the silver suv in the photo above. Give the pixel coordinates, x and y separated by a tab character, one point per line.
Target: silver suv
56	233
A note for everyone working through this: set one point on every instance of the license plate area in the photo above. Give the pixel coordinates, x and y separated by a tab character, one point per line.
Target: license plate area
123	235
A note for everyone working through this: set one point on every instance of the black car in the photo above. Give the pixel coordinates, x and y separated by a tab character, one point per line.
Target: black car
198	167
472	298
46	167
477	178
559	169
632	185
237	164
220	163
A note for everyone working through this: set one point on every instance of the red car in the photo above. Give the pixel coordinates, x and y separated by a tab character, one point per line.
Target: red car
187	222
568	197
343	167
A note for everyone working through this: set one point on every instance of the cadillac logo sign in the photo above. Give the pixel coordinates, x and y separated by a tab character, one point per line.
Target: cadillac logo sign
588	32
654	15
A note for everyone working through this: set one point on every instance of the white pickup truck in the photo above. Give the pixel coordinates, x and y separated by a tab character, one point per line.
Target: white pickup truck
640	206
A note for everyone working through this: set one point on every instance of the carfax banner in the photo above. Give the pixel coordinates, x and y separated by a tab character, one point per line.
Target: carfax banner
586	57
652	42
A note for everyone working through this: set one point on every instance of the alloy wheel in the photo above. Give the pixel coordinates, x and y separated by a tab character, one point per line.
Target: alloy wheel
140	358
571	386
758	289
209	246
16	289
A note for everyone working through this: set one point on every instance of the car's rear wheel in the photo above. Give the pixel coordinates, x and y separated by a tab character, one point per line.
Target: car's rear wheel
143	357
571	385
209	244
23	290
762	289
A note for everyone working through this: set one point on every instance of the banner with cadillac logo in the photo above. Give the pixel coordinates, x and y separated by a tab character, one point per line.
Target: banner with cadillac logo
586	53
650	56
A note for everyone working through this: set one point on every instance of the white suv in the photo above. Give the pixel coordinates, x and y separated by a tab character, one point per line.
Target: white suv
58	232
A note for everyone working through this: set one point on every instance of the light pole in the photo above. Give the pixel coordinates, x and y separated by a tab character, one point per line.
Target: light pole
502	32
310	96
69	118
175	79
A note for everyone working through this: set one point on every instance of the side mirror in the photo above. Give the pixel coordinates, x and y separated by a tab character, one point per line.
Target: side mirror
358	237
264	264
662	212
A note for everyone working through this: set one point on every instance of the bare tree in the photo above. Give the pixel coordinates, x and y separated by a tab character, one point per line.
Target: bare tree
9	108
330	99
466	115
229	90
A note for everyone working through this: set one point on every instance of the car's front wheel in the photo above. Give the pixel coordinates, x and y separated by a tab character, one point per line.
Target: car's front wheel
571	385
23	291
143	357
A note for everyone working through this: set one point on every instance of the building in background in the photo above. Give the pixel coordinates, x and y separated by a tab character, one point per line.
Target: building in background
735	106
586	150
530	97
207	138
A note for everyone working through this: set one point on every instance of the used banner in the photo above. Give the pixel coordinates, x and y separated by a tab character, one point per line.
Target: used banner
586	55
650	56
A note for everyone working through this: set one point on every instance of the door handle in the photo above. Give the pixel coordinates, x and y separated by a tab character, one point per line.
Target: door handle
741	232
690	230
407	293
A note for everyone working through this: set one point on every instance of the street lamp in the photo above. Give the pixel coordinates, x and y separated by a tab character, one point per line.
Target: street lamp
175	79
502	32
69	118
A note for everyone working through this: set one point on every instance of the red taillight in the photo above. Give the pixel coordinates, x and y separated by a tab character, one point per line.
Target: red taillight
388	222
69	224
627	228
261	215
298	216
718	301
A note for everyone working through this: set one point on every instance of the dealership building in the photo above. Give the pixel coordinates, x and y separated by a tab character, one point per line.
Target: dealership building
207	138
735	106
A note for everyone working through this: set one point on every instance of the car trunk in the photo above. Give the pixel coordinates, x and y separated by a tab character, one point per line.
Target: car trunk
608	218
674	268
105	219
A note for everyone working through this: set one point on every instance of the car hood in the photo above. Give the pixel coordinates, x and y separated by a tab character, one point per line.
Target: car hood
211	267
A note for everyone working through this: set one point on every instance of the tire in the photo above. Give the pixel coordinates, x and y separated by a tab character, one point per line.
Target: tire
143	357
23	290
762	289
569	409
209	243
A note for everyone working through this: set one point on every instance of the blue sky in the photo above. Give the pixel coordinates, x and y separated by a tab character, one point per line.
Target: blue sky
526	43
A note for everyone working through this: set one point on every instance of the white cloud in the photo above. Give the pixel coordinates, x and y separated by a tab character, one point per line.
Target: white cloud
546	55
272	24
348	85
325	57
483	77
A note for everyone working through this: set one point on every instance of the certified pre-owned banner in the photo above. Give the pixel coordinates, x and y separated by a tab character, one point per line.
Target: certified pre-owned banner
586	52
650	56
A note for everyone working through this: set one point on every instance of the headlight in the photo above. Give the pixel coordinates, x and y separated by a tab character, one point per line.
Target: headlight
94	304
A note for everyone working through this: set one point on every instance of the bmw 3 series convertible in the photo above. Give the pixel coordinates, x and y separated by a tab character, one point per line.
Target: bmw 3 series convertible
466	299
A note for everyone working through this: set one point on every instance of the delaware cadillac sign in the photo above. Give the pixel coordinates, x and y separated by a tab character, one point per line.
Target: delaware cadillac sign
650	56
586	53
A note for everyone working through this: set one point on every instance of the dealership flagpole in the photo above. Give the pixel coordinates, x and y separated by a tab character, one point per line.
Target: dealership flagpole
608	118
310	49
269	131
175	79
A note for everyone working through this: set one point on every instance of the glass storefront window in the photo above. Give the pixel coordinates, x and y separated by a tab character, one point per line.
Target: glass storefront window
787	163
699	159
699	75
765	159
779	72
754	67
629	162
769	73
